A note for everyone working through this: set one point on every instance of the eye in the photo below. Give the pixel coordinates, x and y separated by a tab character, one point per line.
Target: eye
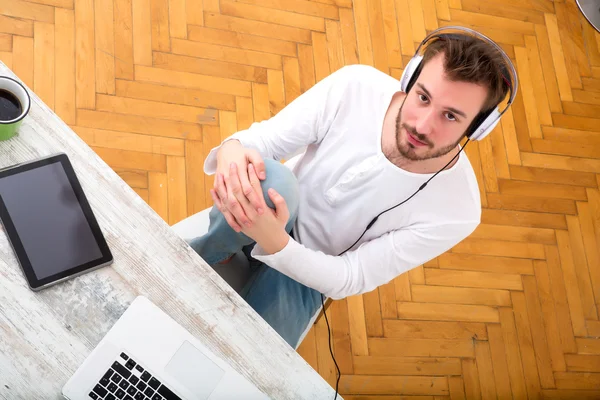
423	98
450	117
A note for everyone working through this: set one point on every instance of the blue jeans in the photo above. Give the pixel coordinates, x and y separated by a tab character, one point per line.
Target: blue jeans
285	304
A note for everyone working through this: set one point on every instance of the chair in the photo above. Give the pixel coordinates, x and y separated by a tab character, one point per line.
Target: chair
237	272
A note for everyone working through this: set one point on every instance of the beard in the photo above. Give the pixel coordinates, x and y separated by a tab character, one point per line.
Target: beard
407	150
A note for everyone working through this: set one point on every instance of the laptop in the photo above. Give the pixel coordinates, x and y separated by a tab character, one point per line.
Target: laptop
147	355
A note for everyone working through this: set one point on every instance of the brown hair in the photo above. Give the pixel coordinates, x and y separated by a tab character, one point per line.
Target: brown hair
468	59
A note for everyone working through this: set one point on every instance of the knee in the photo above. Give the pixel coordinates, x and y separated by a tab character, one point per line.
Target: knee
283	180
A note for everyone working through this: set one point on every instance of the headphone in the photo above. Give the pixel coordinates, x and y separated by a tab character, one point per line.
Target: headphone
481	126
486	120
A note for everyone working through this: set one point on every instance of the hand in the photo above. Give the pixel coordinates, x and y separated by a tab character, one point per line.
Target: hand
232	152
268	228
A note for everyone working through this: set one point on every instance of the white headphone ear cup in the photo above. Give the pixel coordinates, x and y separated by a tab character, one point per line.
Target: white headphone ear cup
487	125
409	71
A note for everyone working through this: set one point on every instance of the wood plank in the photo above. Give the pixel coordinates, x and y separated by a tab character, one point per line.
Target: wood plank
456	383
472	279
358	329
158	198
402	384
143	193
485	369
591	246
380	52
291	79
488	167
194	167
523	219
211	138
334	45
538	333
159	11
559	295
85	62
273	16
582	362
588	345
308	349
16	26
570	394
577	380
6	58
583	110
227	123
549	314
544	175
392	39
472	262
372	314
260	100
500	36
527	89
558	57
499	152
500	248
258	28
166	94
23	59
536	204
513	354
387	299
429	15
514	234
155	109
131	141
28	11
194	12
471	378
245	114
591	84
546	59
414	366
193	81
123	25
582	96
473	155
363	32
535	189
405	24
241	40
142	32
521	13
132	159
407	329
349	36
134	178
539	88
442	9
320	56
177	19
520	118
447	312
418	22
387	347
225	54
43	62
402	288
138	124
56	3
561	162
214	68
177	195
458	295
492	21
328	11
64	49
105	46
571	284
586	292
307	67
6	41
500	365
342	346
569	23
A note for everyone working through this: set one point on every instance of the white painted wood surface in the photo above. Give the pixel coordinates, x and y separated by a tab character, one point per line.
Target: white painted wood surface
44	336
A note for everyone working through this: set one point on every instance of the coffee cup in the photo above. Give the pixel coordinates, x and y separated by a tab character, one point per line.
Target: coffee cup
14	106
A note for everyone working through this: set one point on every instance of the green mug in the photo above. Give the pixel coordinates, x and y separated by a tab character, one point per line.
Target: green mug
14	106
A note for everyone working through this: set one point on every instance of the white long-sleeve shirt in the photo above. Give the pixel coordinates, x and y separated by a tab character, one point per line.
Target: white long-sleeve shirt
345	180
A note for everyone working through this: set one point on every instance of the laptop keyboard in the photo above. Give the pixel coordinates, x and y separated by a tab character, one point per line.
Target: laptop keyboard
128	380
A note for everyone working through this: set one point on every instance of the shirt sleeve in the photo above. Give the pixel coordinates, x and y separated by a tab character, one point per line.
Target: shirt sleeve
302	122
372	264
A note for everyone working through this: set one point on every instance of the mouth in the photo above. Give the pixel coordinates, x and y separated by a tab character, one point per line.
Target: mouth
413	140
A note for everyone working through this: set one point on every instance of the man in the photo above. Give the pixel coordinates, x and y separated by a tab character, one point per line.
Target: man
369	147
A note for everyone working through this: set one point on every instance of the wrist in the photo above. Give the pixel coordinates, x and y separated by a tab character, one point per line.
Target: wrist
275	243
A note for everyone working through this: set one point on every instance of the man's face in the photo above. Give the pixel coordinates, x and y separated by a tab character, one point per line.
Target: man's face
436	113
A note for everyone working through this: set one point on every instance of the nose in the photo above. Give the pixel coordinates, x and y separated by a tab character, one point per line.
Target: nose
425	122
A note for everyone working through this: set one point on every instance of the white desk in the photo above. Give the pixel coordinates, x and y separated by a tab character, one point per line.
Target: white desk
46	335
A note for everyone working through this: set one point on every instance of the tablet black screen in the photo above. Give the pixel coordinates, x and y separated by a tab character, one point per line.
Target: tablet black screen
49	221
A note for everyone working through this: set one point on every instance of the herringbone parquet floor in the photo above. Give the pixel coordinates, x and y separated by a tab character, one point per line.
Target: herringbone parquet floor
511	312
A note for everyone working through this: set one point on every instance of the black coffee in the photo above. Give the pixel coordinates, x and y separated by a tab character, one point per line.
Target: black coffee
10	106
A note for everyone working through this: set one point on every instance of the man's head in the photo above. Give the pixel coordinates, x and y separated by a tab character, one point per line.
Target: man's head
458	80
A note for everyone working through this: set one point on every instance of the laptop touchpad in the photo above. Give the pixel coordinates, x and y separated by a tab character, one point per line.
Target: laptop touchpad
192	369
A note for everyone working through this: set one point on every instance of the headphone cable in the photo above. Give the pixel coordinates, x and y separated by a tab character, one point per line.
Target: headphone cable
339	374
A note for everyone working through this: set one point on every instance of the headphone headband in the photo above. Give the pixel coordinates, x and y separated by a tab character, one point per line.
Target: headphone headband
483	123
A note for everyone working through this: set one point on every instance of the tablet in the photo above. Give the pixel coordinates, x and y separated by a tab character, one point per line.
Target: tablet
49	221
